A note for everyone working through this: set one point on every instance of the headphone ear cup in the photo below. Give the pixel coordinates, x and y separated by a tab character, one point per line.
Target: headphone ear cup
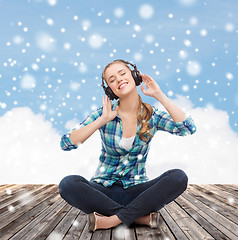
137	77
110	93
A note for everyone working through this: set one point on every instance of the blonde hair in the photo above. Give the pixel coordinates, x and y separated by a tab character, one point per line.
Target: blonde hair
147	109
144	118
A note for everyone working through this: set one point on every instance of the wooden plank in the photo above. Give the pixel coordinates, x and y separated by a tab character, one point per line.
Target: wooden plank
216	198
77	227
27	228
200	217
13	189
20	226
202	212
43	228
228	189
213	217
123	233
20	196
4	186
190	227
173	226
7	217
26	194
164	229
221	194
234	186
228	211
146	233
102	234
43	220
64	224
86	235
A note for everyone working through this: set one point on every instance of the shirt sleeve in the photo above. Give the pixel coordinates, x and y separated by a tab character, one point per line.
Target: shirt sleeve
164	122
66	143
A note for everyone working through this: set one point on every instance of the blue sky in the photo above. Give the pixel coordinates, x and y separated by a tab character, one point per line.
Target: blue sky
53	53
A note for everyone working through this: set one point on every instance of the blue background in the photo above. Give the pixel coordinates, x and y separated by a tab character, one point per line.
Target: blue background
58	67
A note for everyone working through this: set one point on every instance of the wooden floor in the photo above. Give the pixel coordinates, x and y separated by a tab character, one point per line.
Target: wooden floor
38	212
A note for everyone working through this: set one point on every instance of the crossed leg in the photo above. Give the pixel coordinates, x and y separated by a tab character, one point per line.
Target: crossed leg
91	197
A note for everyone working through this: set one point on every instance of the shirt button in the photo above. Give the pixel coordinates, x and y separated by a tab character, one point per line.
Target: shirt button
137	177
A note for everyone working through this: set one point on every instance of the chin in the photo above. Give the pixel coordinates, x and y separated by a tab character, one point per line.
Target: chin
126	93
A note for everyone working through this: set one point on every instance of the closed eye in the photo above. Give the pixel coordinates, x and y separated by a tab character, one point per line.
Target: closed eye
114	79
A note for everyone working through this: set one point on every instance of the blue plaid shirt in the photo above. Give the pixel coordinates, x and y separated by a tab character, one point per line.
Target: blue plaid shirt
115	162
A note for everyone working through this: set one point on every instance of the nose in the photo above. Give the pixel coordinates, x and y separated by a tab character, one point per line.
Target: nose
119	79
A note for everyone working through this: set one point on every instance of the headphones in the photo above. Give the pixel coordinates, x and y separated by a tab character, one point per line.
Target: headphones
135	74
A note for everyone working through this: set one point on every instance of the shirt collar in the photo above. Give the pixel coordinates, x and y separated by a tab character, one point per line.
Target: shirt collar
114	105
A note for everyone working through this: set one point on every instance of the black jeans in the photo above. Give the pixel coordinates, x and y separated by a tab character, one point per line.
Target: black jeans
128	204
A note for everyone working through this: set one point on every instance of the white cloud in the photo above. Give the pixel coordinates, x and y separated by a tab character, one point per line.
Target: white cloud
71	124
208	156
30	151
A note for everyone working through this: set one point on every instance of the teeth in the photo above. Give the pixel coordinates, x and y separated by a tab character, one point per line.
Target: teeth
122	85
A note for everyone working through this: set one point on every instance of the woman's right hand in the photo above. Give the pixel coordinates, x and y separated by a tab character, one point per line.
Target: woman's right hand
107	113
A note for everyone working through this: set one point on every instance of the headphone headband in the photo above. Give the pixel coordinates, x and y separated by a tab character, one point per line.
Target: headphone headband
126	62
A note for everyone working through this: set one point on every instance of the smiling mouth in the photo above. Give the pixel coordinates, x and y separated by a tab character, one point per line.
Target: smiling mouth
124	84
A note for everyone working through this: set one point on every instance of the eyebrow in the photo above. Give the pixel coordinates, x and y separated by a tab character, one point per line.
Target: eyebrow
117	72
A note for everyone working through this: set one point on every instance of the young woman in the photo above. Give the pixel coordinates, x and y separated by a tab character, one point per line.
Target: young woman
120	191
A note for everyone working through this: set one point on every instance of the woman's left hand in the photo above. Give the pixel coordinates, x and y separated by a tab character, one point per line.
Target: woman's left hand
153	89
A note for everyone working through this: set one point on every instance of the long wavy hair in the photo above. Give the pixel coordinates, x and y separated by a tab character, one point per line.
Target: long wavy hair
147	110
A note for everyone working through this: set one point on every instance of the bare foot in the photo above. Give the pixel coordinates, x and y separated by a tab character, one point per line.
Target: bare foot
104	222
143	220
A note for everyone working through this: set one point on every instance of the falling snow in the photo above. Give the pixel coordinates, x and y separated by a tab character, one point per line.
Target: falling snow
52	60
146	11
28	81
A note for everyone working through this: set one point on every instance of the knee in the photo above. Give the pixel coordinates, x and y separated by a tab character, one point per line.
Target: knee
181	179
64	185
67	184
